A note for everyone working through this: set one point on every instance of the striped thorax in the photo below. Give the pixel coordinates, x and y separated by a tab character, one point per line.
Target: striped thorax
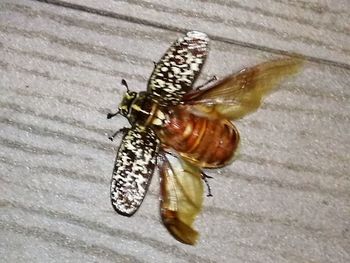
142	109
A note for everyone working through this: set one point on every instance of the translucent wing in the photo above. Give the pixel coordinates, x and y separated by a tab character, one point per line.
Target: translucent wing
242	93
181	198
133	169
174	74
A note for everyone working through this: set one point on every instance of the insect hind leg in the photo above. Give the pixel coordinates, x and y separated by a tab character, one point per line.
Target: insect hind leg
205	178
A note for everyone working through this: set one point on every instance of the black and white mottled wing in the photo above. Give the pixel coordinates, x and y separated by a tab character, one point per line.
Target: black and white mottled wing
133	169
175	73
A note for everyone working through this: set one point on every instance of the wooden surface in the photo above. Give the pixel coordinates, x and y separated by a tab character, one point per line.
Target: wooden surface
286	197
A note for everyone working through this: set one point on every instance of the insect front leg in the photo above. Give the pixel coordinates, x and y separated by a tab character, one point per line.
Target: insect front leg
122	130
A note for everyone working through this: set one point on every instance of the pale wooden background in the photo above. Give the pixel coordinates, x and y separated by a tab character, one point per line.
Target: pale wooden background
286	198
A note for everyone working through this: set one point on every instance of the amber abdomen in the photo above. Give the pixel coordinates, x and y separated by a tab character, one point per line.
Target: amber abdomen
203	140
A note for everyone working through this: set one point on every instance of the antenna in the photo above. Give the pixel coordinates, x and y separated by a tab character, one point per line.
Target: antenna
125	85
111	115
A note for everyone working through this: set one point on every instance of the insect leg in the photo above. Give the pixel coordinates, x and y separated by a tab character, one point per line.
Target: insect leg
213	78
161	158
166	150
205	179
122	130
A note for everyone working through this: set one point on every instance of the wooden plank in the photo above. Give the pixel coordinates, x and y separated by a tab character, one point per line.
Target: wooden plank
285	199
318	29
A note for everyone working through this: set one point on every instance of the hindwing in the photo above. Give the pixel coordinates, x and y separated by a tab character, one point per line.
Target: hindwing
242	93
181	197
133	169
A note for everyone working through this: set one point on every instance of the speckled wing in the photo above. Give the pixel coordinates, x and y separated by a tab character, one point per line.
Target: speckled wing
181	198
174	75
133	169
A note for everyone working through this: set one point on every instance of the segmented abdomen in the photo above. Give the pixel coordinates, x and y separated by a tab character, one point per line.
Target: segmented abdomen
207	142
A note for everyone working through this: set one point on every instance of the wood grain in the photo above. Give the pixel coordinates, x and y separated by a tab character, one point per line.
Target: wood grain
319	29
286	197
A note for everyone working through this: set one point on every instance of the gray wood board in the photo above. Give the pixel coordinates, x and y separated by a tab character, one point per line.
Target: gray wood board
285	198
319	29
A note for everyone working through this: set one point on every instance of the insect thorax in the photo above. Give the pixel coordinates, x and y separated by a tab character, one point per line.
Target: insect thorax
142	109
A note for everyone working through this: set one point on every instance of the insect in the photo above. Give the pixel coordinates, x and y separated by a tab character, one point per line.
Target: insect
185	130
